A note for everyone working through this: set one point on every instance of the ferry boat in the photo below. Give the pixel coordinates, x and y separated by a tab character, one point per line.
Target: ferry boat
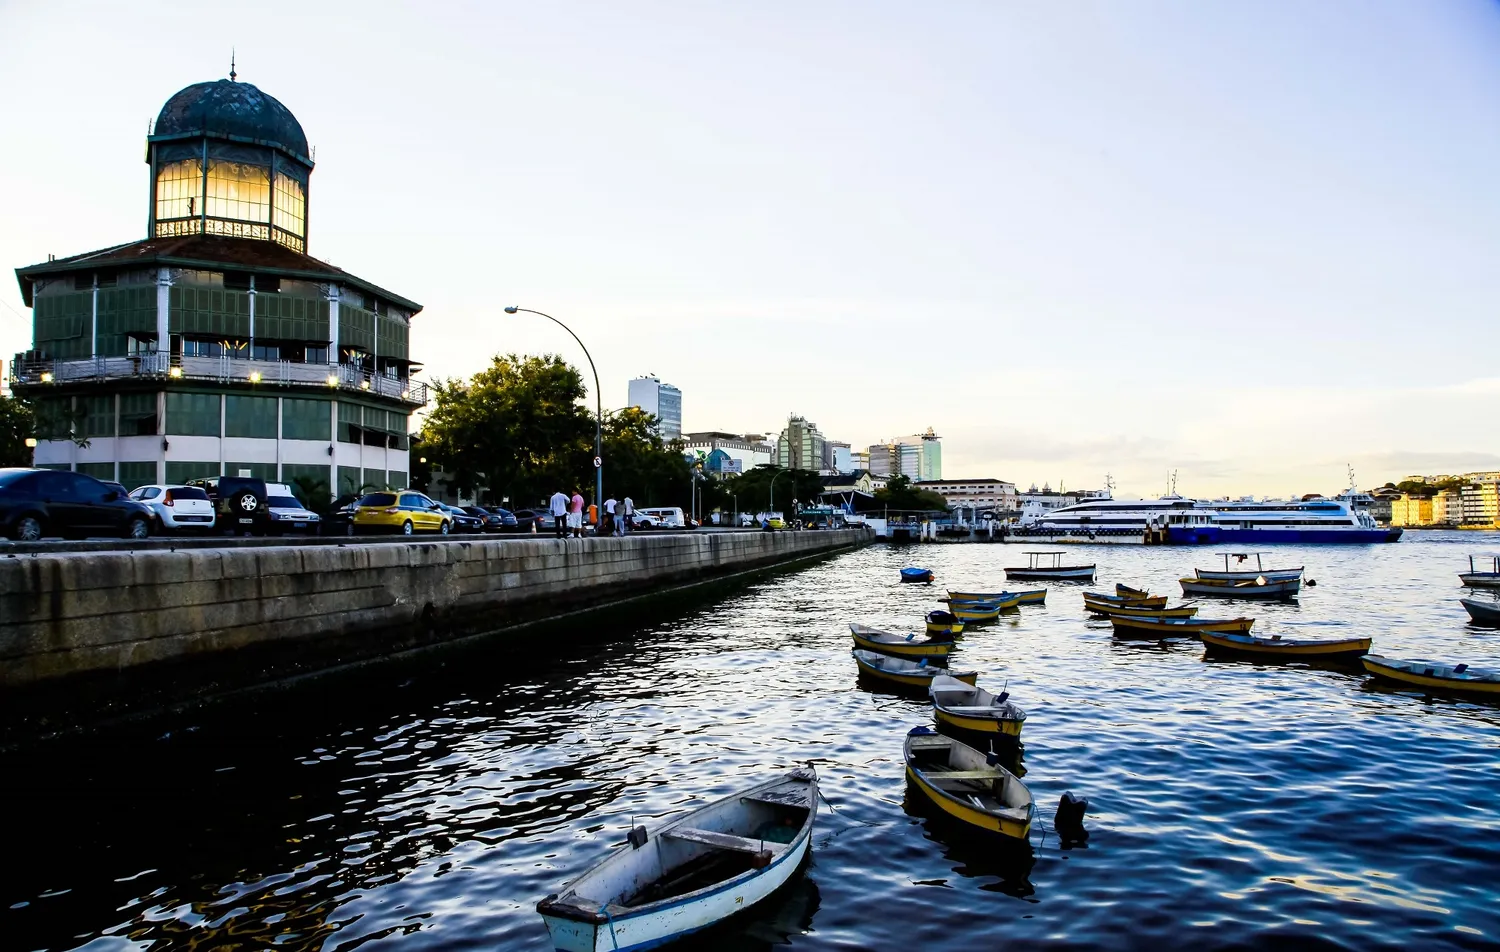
1315	519
1100	519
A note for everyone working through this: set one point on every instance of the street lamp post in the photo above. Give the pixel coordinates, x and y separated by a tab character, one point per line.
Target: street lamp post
598	407
772	503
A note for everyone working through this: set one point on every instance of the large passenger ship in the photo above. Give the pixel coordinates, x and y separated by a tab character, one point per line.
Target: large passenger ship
1187	521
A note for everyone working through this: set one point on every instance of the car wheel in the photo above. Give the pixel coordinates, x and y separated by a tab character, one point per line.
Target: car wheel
444	527
406	527
27	529
349	529
139	527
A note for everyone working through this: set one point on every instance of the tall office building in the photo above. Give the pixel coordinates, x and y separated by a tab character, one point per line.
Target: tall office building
918	457
661	400
800	445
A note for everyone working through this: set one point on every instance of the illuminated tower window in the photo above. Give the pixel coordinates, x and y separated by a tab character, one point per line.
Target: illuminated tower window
179	190
291	213
239	192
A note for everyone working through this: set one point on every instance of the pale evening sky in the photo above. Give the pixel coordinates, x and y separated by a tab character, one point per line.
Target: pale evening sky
1250	242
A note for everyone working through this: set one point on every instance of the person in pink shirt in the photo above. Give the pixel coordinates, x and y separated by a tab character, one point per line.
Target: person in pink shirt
575	515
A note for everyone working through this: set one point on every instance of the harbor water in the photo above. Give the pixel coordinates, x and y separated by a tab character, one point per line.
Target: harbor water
428	803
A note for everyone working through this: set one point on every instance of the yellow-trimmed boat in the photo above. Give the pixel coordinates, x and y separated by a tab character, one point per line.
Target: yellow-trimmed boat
1181	611
975	611
901	646
944	624
1034	597
916	675
961	782
1140	627
1447	677
1147	601
1275	646
971	708
1125	591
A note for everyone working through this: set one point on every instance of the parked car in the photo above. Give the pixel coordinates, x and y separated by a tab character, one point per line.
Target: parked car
495	518
405	512
640	519
239	503
287	512
463	521
340	518
177	508
40	502
539	520
670	517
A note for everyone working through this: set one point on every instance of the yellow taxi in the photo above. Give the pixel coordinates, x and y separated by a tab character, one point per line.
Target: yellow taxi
404	512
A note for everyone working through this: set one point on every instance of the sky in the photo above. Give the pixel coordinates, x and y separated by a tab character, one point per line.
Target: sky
1253	243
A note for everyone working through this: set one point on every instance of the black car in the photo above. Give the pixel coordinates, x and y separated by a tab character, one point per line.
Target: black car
240	503
463	520
495	519
534	520
42	502
340	519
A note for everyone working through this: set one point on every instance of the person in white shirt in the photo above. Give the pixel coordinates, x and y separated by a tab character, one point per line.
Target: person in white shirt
623	525
559	506
609	511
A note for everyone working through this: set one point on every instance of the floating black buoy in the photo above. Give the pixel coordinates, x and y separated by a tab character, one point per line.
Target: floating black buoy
1311	582
1069	819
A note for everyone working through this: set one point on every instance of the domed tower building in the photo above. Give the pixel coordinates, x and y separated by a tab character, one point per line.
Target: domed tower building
217	345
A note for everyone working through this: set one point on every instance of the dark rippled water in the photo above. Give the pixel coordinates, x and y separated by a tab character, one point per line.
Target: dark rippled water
428	805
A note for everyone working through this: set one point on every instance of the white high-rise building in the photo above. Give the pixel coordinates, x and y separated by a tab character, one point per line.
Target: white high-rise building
661	400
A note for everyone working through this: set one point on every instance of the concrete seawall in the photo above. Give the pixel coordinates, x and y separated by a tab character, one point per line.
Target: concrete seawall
90	618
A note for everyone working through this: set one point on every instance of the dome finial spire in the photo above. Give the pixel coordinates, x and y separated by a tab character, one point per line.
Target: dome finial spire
232	73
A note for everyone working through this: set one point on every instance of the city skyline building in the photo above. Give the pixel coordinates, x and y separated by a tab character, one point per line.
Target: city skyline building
745	450
216	345
801	445
661	400
918	457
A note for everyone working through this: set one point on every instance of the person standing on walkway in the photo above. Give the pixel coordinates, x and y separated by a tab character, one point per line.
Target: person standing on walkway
559	506
629	506
575	515
610	519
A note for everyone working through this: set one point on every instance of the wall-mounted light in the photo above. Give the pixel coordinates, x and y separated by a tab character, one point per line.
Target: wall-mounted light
364	385
255	376
406	395
333	380
175	372
31	442
165	445
330	449
46	376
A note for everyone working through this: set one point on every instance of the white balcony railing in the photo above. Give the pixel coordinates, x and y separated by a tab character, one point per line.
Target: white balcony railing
26	372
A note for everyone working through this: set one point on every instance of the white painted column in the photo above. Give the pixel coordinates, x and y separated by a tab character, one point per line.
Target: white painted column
94	346
252	316
163	307
333	326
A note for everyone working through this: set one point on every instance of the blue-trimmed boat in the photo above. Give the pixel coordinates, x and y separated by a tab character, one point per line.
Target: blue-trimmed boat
695	871
913	574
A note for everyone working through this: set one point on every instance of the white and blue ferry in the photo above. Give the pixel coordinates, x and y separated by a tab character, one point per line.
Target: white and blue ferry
1315	519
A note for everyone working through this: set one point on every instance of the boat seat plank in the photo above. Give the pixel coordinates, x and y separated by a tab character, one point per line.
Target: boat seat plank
724	841
974	709
781	798
935	743
962	775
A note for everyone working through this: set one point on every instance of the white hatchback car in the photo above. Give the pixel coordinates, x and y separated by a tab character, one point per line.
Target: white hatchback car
177	508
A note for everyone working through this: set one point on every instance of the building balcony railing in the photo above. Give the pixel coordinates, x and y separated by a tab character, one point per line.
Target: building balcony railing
27	372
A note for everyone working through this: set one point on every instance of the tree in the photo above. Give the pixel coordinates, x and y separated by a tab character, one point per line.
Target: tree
17	425
515	428
899	494
756	493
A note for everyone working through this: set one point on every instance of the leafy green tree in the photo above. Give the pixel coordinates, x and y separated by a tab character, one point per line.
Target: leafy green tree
899	494
756	493
17	425
516	428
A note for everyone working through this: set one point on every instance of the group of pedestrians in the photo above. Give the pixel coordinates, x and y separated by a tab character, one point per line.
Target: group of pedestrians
567	515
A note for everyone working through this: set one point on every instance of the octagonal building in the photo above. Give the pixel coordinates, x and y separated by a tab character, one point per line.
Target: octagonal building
217	345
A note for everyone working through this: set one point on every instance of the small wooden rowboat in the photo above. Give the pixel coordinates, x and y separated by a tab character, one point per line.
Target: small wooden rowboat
974	611
1450	677
908	674
916	575
1033	597
901	646
1125	591
1136	627
1244	575
962	782
1276	646
1148	601
1482	613
1244	588
695	871
1042	566
1480	577
944	623
1181	611
971	708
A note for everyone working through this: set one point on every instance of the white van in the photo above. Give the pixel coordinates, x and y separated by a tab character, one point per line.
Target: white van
670	517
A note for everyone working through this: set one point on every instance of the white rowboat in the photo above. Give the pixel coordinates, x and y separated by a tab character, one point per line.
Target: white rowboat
696	871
